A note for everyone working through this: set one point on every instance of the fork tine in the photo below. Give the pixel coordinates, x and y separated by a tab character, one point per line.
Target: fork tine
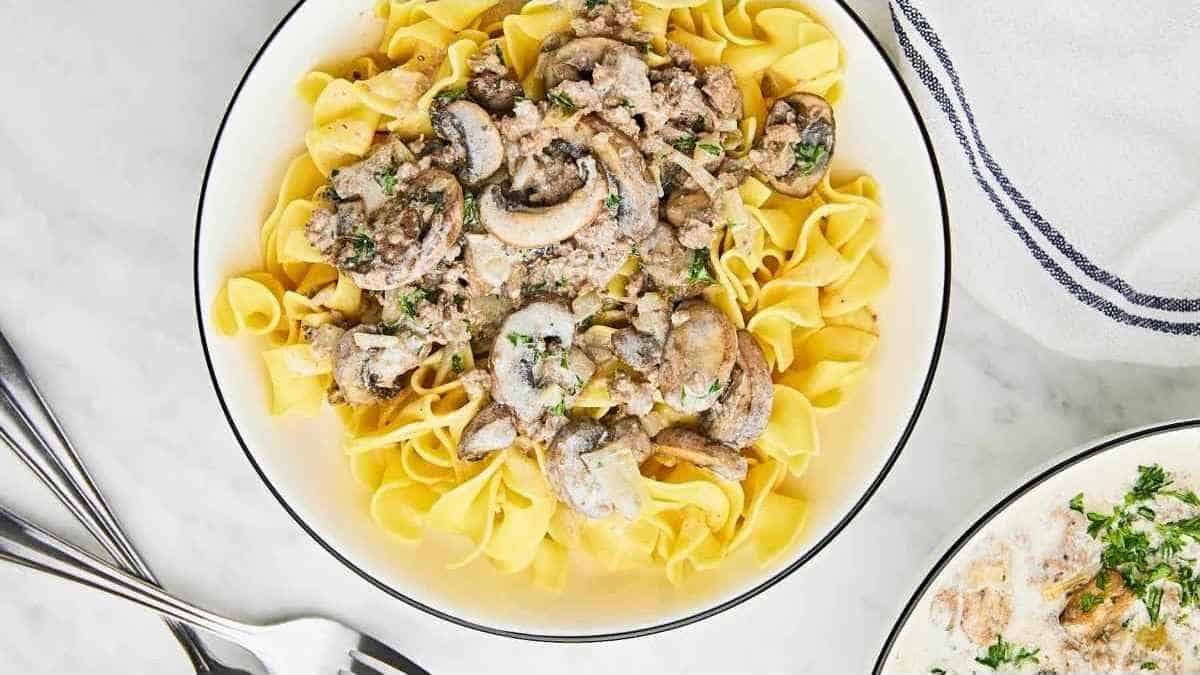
389	657
358	668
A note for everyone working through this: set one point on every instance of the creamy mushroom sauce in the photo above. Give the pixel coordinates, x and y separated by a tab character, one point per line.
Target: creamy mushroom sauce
1029	597
501	234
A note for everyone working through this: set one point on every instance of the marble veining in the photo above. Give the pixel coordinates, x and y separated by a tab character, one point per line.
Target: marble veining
111	108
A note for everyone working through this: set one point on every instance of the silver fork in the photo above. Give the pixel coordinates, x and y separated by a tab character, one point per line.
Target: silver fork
30	429
308	645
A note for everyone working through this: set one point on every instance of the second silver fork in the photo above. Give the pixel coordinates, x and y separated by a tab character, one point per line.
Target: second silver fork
31	430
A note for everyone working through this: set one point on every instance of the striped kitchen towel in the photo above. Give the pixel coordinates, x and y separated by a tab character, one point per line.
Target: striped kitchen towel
1068	135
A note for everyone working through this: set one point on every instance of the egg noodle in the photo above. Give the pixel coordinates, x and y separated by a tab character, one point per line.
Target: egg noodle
800	278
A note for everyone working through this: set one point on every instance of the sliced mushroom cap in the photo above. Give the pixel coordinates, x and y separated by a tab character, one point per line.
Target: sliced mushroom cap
629	178
369	367
592	475
701	451
524	338
574	60
492	428
795	149
698	357
642	352
742	411
542	226
1115	599
468	126
407	236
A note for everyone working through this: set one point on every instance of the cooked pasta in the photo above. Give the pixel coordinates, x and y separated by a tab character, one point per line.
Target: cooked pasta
800	274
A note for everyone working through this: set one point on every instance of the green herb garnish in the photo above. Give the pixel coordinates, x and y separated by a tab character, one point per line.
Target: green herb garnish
519	339
1006	653
1149	665
386	178
449	95
1089	601
409	301
562	100
714	150
808	156
593	4
685	144
456	363
500	53
612	202
364	249
698	268
1144	564
560	408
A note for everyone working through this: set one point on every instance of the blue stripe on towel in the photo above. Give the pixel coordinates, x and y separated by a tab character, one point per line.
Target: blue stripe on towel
931	82
1053	235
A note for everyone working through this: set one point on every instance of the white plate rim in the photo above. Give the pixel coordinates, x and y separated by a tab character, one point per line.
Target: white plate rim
816	548
1023	486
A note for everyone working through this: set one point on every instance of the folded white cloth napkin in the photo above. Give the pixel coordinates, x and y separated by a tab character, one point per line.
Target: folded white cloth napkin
1068	135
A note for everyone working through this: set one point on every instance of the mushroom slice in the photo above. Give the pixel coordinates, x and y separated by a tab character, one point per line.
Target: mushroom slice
630	180
701	451
542	226
575	60
407	236
742	411
1107	604
525	338
698	357
491	429
641	351
468	126
796	146
369	367
593	474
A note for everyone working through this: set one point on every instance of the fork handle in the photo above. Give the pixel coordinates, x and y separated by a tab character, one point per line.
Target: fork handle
30	429
26	544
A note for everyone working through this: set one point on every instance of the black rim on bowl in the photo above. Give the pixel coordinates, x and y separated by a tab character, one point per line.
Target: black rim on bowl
712	611
1010	499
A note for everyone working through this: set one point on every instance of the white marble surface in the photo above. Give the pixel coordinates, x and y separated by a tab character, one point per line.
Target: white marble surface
109	112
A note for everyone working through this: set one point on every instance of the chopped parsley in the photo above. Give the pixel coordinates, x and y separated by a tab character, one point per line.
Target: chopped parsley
808	156
1089	601
634	250
560	408
450	95
408	301
386	178
698	268
1149	665
459	301
1145	562
710	148
519	339
685	144
563	362
471	209
1006	653
456	363
612	202
561	100
434	198
364	249
593	4
500	53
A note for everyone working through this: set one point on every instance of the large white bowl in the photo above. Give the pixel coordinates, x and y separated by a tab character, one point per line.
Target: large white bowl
879	132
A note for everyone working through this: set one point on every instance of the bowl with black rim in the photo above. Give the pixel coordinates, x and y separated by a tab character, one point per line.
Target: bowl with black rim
301	462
